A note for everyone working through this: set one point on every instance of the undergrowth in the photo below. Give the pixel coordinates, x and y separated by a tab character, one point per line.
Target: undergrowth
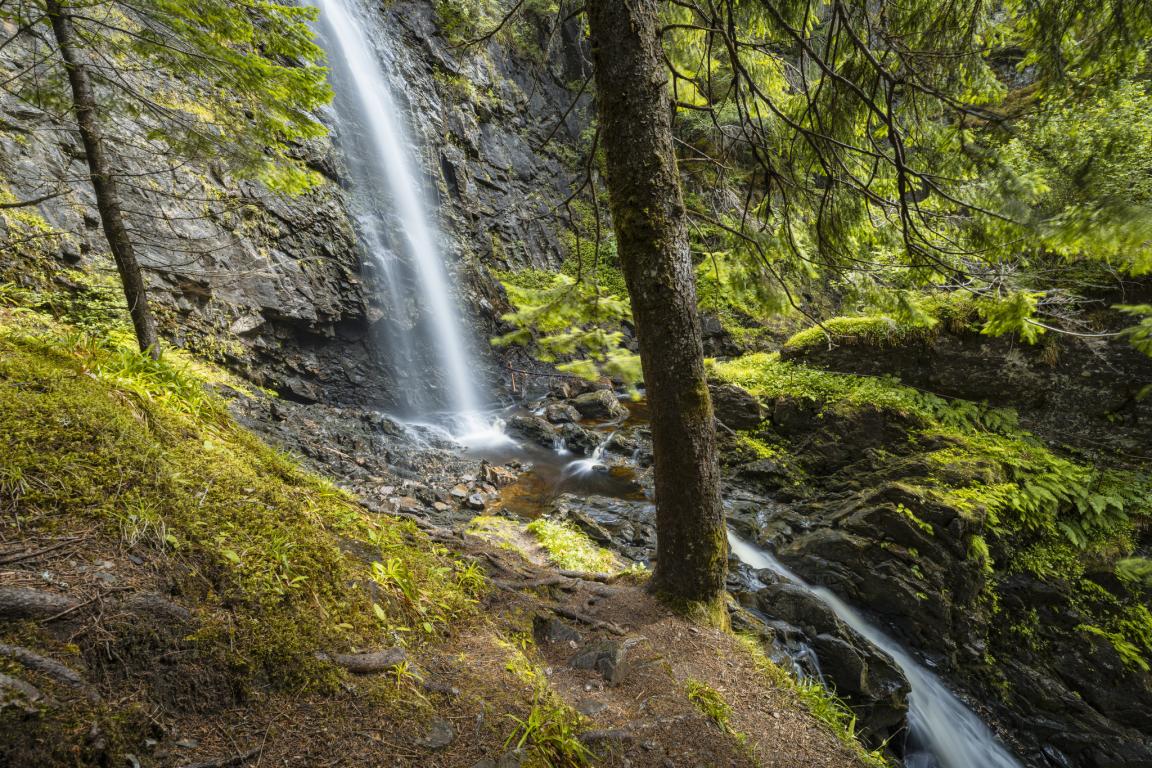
281	562
1040	512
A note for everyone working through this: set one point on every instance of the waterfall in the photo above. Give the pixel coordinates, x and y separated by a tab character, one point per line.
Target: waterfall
942	731
395	225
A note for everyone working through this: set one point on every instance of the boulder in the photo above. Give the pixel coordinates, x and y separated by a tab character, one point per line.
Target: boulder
600	404
561	413
533	428
735	407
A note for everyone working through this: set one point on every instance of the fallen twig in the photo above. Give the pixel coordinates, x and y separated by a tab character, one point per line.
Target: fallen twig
226	762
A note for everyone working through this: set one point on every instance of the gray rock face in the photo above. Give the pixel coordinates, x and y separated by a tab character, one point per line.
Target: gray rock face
868	527
276	287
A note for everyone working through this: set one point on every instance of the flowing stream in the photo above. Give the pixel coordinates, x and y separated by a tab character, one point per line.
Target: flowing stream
942	731
396	226
400	240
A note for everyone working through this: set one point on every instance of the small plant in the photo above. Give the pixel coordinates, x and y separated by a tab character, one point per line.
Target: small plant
710	703
550	732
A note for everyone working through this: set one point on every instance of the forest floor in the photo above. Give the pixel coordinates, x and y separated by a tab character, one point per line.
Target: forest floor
175	593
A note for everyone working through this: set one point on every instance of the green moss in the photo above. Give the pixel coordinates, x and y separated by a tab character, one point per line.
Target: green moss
767	376
94	435
867	331
570	549
758	447
906	319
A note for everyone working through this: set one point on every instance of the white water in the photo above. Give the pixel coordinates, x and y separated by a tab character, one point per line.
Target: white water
942	731
397	230
592	463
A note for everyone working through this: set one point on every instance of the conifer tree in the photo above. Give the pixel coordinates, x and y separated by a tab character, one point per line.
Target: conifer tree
234	81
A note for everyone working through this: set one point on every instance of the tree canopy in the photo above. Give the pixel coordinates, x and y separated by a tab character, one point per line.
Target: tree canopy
892	151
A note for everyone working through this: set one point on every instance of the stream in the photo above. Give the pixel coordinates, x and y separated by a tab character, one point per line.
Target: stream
942	731
425	334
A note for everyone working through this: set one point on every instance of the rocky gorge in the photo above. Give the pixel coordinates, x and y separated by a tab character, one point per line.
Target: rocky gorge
909	500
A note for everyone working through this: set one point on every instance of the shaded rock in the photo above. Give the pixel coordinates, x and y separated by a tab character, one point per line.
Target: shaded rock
600	404
439	734
608	657
763	475
561	413
550	630
736	407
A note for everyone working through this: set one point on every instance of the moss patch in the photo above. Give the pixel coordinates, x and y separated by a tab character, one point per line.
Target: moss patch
280	561
570	548
1041	512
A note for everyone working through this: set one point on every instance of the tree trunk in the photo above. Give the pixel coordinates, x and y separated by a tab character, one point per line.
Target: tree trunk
104	182
648	215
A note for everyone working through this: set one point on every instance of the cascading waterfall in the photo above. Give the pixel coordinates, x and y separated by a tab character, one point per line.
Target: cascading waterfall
942	731
404	245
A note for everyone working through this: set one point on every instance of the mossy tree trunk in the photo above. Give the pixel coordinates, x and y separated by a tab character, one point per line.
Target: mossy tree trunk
648	214
104	180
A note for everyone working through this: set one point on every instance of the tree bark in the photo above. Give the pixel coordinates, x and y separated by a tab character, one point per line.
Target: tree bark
635	115
104	181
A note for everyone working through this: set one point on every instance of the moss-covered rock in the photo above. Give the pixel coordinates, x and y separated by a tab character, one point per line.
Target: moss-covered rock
978	544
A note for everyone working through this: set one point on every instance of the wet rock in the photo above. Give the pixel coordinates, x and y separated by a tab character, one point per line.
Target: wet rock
601	404
735	407
533	428
561	413
477	501
862	674
627	527
579	440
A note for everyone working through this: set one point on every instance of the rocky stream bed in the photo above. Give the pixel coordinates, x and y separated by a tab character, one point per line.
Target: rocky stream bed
584	457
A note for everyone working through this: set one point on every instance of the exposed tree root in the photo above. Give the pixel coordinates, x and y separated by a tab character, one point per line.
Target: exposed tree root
25	603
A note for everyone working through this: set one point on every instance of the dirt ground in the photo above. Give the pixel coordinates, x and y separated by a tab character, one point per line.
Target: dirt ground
450	706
